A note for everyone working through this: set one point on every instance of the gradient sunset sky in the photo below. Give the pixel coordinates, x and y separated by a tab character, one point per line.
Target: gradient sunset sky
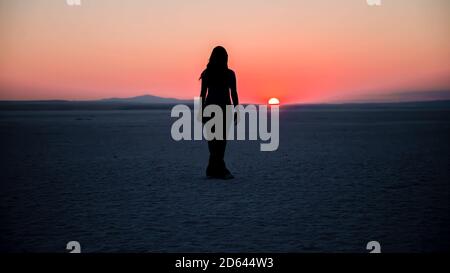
296	50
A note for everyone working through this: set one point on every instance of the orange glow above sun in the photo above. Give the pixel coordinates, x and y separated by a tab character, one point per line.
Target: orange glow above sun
298	51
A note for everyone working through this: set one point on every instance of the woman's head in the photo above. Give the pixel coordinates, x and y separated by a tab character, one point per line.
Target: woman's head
218	59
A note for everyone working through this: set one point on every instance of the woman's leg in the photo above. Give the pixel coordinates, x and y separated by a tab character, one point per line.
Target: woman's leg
216	165
210	170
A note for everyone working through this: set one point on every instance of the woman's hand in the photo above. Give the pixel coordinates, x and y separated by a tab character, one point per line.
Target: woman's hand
237	117
200	116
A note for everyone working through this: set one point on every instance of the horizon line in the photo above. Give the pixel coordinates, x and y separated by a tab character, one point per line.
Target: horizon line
395	97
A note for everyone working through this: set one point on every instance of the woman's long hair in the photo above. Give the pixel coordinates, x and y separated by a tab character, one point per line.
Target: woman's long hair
218	63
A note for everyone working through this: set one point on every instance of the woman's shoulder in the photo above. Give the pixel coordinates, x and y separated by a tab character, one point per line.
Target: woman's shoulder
231	73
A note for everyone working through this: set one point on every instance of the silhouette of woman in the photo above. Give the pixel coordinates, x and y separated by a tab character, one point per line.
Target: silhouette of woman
218	81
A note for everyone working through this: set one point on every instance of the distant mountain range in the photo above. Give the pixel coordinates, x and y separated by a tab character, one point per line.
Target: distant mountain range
139	102
404	96
150	99
145	99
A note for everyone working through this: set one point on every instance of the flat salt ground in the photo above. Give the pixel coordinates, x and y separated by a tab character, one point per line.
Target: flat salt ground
115	181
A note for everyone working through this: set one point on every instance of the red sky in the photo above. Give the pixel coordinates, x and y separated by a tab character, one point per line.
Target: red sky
297	50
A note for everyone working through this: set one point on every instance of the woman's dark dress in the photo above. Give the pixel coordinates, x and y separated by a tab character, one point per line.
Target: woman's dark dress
217	86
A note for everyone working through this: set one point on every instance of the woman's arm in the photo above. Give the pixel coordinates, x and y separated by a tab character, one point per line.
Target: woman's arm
203	91
234	94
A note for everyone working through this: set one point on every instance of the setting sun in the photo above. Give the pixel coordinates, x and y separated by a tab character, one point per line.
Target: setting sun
274	101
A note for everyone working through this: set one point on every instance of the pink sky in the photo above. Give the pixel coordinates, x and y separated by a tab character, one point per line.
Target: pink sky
299	51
